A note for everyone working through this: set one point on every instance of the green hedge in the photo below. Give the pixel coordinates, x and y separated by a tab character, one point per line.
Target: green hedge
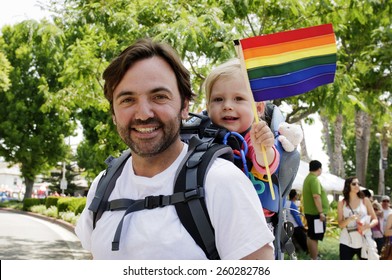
80	207
63	204
71	204
28	202
51	201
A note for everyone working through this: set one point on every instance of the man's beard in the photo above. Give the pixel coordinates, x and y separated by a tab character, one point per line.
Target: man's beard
153	147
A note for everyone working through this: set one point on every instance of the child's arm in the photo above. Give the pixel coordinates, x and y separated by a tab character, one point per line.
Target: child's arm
261	134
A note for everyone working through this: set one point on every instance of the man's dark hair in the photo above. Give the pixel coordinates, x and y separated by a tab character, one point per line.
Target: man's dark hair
314	165
144	49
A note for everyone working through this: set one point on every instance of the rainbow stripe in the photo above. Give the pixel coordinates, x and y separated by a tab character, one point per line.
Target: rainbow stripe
291	62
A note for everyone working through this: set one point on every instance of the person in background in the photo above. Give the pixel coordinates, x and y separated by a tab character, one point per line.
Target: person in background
368	194
377	231
354	211
386	209
149	91
316	206
388	228
294	216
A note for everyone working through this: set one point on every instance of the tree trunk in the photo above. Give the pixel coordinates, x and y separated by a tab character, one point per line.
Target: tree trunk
384	153
337	157
304	150
327	138
29	187
362	137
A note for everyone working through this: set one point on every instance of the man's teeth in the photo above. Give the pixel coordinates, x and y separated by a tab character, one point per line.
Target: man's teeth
146	130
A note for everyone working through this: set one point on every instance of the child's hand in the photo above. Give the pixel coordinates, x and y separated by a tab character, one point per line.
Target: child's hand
261	135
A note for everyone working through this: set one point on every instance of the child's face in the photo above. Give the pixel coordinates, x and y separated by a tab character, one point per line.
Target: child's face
230	105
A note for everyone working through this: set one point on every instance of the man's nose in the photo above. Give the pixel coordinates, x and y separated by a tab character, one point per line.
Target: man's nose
144	110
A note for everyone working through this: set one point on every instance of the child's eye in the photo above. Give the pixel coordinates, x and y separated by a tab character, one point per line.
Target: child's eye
217	99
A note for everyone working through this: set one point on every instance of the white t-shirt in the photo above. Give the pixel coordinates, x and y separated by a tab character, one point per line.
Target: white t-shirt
386	213
232	202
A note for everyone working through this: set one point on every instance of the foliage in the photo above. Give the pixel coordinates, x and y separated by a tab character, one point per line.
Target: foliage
56	175
69	217
32	135
5	68
41	209
29	202
65	60
51	201
65	204
80	207
13	204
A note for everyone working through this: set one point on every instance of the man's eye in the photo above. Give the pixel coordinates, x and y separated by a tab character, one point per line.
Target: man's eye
126	100
160	97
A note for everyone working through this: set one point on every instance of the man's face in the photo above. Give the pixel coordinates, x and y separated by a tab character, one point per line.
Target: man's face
147	107
385	203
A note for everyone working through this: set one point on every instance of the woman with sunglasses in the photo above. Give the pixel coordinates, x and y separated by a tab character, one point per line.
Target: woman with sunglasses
355	217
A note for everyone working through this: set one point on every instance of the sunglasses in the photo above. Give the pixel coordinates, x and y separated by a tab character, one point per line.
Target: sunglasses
385	200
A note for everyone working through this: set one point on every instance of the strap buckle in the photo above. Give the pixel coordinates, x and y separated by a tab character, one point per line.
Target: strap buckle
193	193
151	202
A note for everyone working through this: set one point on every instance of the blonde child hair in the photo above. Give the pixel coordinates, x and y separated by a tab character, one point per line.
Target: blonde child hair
229	68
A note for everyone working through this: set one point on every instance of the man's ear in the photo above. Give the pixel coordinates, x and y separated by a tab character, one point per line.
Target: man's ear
114	119
185	110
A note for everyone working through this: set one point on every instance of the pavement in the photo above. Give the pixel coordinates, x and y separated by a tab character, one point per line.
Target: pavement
31	236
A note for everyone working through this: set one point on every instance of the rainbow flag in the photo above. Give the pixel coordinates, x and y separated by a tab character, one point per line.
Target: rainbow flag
289	63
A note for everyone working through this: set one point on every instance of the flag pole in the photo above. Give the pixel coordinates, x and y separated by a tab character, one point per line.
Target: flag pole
254	109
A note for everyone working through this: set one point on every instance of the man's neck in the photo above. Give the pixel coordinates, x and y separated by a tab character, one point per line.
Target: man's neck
151	166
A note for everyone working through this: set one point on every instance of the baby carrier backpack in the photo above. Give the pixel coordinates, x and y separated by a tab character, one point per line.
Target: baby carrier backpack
200	125
205	145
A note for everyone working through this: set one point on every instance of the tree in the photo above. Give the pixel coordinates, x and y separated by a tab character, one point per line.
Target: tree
5	68
32	135
203	31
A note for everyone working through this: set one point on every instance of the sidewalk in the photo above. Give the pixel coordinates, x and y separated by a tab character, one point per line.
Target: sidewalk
68	226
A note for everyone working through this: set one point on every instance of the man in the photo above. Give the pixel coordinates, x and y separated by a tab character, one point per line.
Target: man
386	209
315	203
149	93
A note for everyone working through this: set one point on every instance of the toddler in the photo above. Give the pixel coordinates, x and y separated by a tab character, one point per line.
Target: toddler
229	105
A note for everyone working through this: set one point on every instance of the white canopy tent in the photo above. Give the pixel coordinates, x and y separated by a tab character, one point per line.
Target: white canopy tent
331	183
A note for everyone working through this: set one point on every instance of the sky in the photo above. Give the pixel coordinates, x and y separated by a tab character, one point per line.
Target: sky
15	11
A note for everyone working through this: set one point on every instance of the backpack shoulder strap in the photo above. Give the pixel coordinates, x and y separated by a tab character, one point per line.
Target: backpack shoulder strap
193	213
106	185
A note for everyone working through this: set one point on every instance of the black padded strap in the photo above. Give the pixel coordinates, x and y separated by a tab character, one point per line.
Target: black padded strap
106	185
150	202
194	215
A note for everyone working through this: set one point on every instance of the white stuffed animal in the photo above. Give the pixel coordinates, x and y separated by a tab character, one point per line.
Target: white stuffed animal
290	135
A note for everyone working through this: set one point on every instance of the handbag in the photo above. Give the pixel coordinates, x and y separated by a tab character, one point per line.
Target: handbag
386	251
